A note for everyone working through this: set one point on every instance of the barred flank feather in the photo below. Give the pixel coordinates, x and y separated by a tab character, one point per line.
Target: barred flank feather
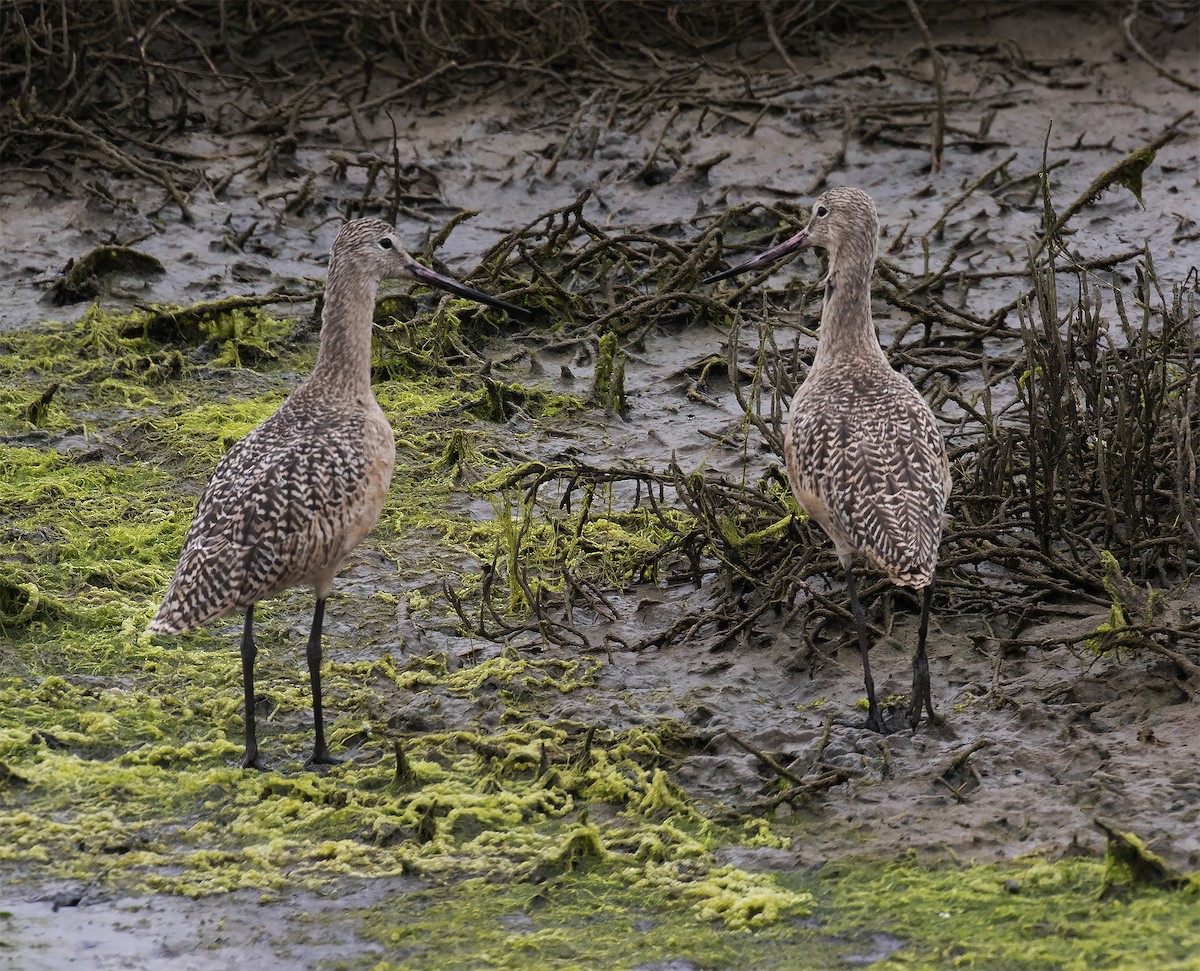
278	512
869	460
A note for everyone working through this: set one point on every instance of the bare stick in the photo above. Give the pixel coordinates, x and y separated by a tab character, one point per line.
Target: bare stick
939	117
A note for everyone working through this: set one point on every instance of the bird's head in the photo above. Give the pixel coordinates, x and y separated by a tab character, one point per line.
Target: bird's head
840	217
374	250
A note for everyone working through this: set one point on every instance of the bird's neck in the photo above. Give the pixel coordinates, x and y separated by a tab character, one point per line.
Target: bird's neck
344	359
847	330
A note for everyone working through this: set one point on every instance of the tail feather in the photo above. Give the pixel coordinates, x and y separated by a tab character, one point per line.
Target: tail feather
179	614
166	625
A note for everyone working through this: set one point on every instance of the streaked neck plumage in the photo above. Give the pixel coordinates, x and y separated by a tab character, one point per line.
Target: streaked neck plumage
344	359
847	331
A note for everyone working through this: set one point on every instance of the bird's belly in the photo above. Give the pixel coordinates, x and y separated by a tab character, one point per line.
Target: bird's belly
817	508
359	515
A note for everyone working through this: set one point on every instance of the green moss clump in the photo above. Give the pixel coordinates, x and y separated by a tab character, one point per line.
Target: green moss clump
1037	915
83	279
608	386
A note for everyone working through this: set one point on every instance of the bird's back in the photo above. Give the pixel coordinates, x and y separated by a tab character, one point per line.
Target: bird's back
867	461
282	509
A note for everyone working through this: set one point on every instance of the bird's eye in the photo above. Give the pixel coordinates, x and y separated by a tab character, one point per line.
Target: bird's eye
385	243
822	212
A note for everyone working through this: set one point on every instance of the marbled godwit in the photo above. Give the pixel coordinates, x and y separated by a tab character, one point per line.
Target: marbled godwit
289	501
863	451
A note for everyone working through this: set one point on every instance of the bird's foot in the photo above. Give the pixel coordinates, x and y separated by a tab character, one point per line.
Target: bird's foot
918	705
922	696
322	756
252	761
877	723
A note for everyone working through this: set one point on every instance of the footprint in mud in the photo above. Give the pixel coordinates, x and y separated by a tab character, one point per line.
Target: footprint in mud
882	946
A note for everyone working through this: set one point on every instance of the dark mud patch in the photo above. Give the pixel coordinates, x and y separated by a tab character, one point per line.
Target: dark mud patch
246	928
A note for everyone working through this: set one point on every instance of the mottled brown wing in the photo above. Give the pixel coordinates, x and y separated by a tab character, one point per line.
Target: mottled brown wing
875	461
266	519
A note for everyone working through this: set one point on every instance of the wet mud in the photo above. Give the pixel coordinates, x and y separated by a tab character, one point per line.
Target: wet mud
1067	698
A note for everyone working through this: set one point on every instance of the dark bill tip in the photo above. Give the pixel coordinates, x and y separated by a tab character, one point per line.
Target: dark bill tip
764	258
726	274
434	279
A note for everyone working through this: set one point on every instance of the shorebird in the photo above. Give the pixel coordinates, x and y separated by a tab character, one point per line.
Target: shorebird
289	501
863	451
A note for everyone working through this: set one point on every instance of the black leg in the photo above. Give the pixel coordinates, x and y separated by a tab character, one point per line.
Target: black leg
874	717
320	755
249	652
921	695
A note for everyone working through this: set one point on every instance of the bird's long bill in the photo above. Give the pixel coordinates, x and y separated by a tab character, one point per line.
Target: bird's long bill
789	245
434	279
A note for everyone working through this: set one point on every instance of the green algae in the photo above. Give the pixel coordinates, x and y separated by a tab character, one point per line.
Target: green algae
22	600
171	815
543	544
119	749
1129	864
1033	914
1026	915
608	386
108	363
81	559
591	919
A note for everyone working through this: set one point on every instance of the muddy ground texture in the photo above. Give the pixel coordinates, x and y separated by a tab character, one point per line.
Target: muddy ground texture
1039	288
